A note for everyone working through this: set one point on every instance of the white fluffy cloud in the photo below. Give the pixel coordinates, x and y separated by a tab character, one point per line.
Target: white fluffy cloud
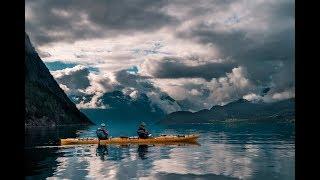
252	97
271	96
94	103
204	94
229	88
79	80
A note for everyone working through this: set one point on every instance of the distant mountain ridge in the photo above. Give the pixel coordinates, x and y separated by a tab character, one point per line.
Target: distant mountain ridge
46	104
122	107
240	110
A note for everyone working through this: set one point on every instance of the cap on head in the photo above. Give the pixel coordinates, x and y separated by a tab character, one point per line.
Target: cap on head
103	125
143	124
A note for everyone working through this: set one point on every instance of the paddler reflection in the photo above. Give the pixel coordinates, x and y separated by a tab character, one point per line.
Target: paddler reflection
142	151
102	151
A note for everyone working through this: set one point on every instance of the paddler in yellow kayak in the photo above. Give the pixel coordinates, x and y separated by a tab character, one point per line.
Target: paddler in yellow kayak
142	132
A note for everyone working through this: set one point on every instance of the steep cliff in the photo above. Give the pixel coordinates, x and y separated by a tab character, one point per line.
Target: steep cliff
45	102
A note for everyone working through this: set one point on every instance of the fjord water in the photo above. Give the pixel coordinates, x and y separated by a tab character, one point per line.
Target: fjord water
231	150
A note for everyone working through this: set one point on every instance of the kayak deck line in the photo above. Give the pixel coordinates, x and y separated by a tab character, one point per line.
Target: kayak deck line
163	139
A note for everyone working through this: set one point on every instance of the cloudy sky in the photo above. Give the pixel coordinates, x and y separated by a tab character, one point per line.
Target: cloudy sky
201	53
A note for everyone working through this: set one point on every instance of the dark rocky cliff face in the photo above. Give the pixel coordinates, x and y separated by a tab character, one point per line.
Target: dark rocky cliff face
45	102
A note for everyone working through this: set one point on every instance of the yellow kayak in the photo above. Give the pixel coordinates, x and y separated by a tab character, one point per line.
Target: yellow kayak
163	139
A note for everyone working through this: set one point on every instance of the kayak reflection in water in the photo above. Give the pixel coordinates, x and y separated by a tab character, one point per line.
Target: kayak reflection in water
142	151
142	131
102	151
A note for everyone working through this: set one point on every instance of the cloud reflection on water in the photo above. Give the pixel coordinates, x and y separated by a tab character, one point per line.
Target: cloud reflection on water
218	158
247	151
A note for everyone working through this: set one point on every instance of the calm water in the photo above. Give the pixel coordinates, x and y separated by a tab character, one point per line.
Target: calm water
238	150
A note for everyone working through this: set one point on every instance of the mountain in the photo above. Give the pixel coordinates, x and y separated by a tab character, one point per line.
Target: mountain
45	102
240	110
121	107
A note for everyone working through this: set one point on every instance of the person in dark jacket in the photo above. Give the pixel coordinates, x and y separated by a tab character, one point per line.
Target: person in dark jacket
142	132
102	132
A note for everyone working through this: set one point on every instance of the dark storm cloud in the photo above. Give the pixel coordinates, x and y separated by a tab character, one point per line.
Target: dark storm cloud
139	82
74	78
274	56
236	44
57	20
175	68
285	9
259	52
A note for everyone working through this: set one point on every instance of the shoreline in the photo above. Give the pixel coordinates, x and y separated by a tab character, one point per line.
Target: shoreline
66	125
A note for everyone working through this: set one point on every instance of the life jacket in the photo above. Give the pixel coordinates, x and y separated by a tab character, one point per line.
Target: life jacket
142	132
102	134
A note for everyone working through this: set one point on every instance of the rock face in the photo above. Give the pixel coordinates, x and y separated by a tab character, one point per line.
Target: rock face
45	102
237	110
